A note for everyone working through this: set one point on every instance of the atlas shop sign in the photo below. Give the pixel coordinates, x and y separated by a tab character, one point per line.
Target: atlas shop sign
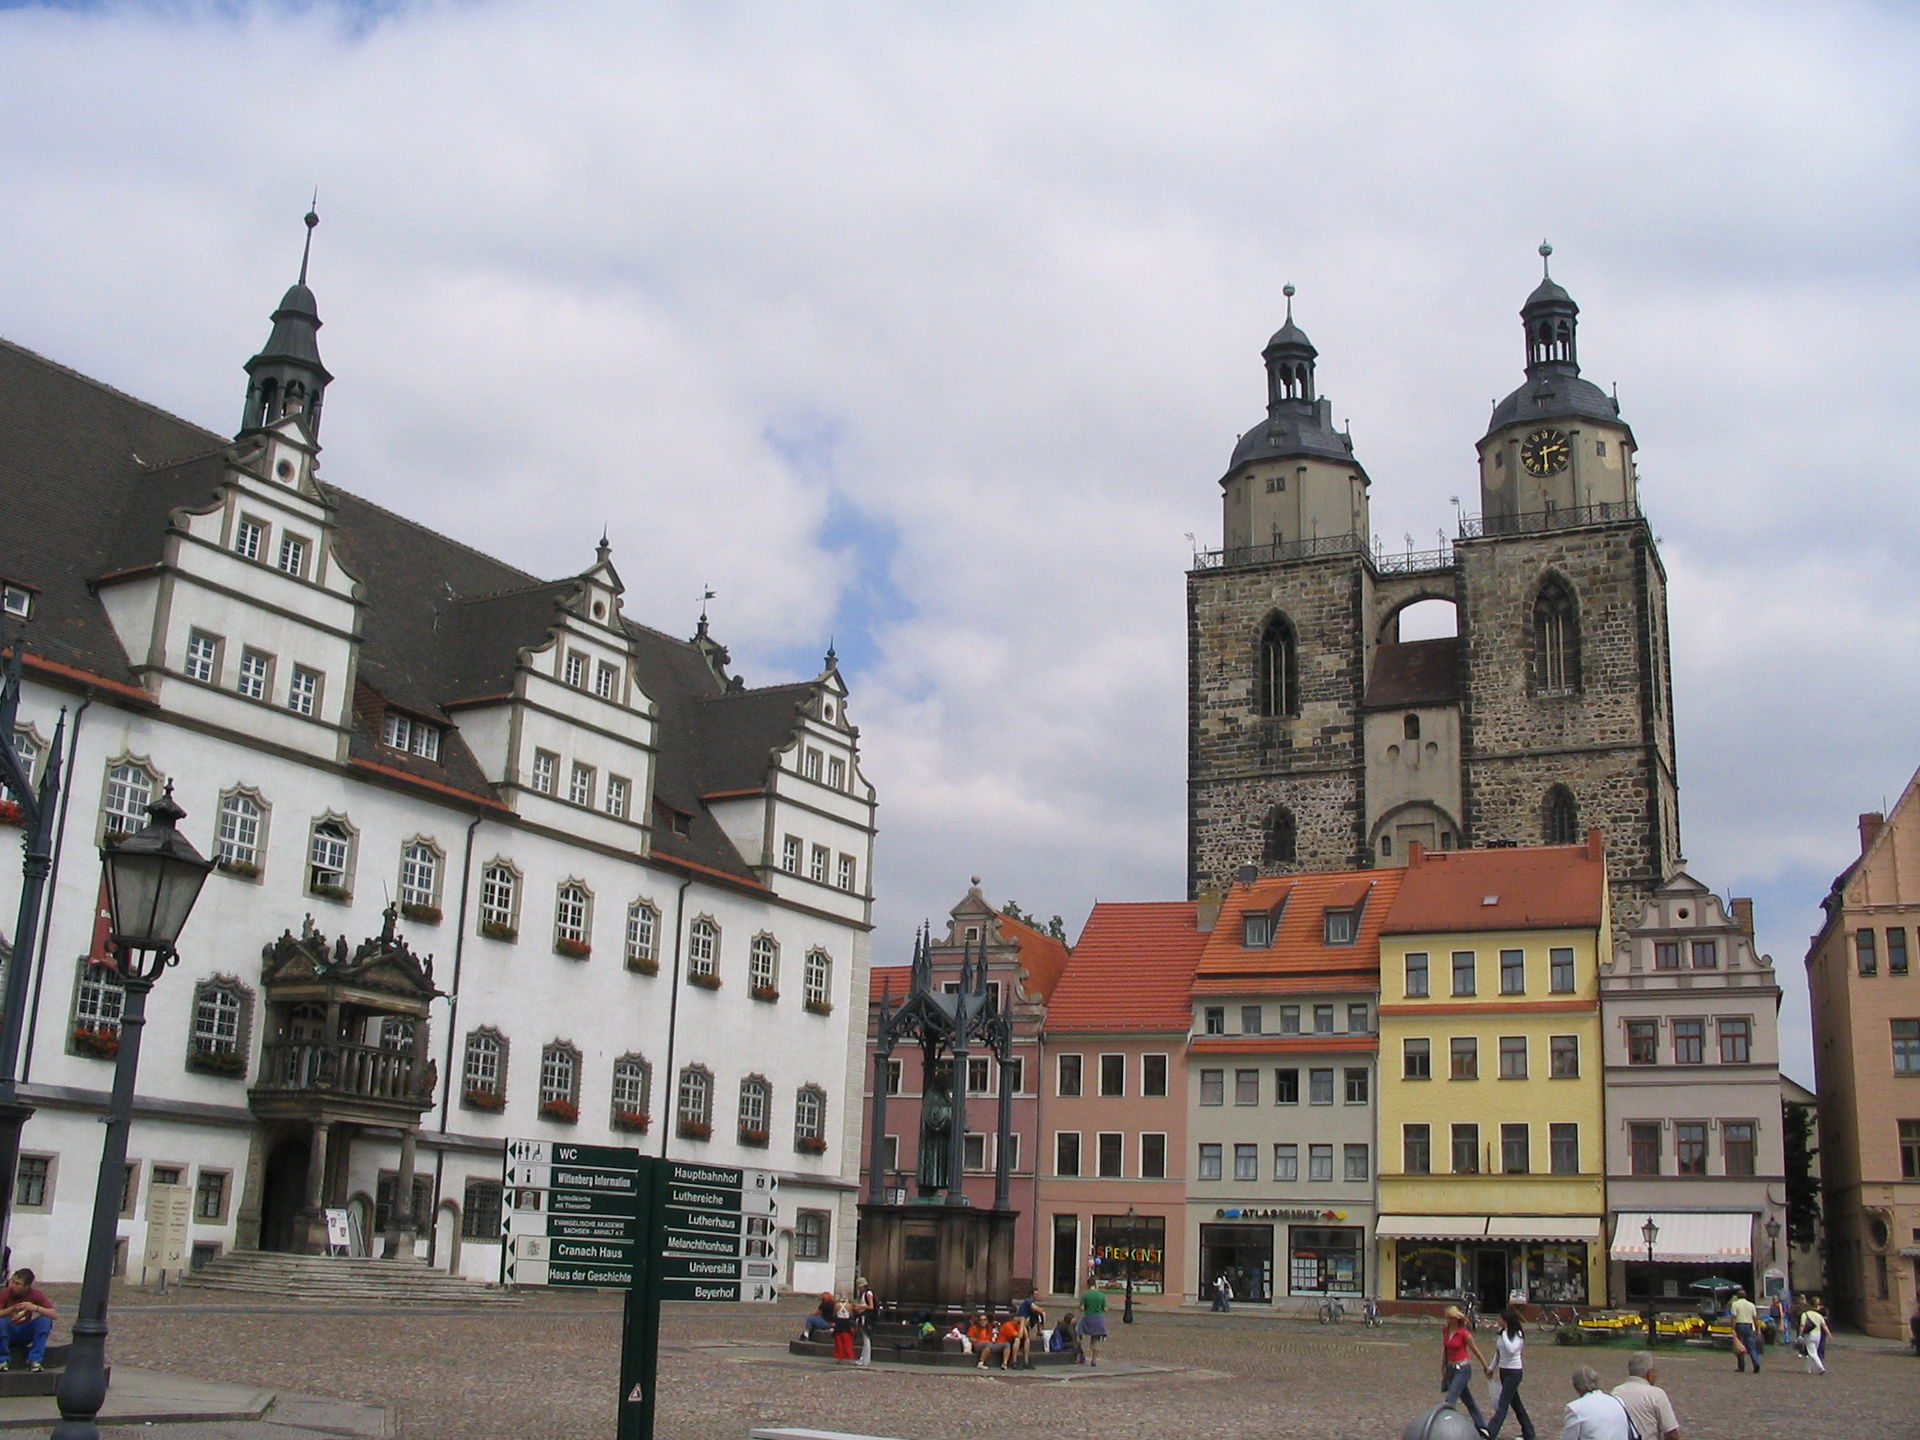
1274	1212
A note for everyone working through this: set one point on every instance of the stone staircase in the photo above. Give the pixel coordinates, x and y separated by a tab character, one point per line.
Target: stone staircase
330	1279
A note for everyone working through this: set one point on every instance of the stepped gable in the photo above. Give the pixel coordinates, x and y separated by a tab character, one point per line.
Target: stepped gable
1414	672
1545	887
1299	957
1130	970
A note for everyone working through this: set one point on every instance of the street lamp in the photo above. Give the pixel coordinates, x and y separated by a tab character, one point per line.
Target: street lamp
1126	1310
153	878
1650	1232
1772	1227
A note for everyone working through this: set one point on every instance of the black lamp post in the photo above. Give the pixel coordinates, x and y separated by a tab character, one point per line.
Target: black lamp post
153	879
1650	1232
1772	1227
1126	1310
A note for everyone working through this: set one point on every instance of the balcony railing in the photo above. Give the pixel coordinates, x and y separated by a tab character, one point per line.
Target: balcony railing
1269	554
365	1072
1534	522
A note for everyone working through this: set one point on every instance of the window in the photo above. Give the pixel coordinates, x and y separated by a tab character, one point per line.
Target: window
1213	1087
1153	1075
1690	1148
1249	1019
1416	1149
836	772
895	1081
1113	1074
484	1070
1563	1057
249	538
1666	954
1463	1058
1736	1146
1286	1086
1864	951
1906	1047
1289	1019
1356	1085
499	900
546	765
203	657
1213	1020
573	915
1153	1156
1280	837
1339	927
1410	728
1256	931
843	874
1515	1152
1689	1042
979	1075
1320	1087
618	788
559	1077
693	1108
33	1183
480	1214
1323	1019
632	1086
1736	1041
1556	647
1416	971
1275	675
1513	972
1357	1019
26	745
763	963
1910	1149
1286	1162
1466	1149
329	860
1463	972
129	792
1643	1148
810	1120
1897	951
237	832
1246	1087
1513	1057
420	876
973	1151
256	674
574	671
817	864
1066	1075
1563	1148
293	555
1319	1163
580	784
817	980
303	691
1355	1157
703	947
605	678
98	1000
1560	817
1209	1168
811	764
754	1096
1560	970
1066	1152
1643	1042
790	854
810	1230
1416	1059
166	1174
210	1195
219	1007
1706	954
1110	1156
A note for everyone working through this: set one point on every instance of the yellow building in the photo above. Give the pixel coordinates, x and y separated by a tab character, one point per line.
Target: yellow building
1492	1162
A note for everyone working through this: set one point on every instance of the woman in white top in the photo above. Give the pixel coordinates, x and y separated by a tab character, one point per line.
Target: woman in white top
1509	1356
1813	1338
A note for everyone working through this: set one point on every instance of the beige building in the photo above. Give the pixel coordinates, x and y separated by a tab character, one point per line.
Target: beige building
1866	1026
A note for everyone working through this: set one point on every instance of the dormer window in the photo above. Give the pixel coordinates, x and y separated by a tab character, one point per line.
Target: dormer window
411	736
1256	931
16	600
1339	927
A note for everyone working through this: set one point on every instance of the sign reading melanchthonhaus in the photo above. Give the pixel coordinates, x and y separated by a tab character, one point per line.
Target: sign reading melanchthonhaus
716	1240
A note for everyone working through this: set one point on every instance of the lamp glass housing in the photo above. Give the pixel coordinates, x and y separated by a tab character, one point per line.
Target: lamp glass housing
153	879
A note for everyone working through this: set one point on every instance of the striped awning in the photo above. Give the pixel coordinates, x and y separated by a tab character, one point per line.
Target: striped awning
1707	1237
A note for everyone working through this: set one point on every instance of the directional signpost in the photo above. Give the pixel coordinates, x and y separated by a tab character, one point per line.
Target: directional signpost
605	1217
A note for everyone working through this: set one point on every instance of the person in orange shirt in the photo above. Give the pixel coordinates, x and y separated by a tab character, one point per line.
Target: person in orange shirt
980	1336
1011	1329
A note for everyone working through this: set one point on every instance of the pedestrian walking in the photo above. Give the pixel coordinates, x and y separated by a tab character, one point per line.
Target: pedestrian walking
1222	1292
1093	1322
1594	1414
1509	1359
1648	1406
1456	1369
1746	1332
1813	1337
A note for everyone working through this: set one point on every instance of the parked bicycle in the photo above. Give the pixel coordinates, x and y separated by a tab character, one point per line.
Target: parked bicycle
1332	1312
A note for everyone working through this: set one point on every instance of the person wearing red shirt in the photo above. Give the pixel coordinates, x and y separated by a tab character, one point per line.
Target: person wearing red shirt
1456	1370
26	1314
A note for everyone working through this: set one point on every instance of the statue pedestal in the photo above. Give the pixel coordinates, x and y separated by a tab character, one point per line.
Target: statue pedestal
938	1257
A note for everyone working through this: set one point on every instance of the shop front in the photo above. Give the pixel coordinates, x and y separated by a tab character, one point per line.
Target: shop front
1272	1250
1129	1248
1689	1248
1495	1260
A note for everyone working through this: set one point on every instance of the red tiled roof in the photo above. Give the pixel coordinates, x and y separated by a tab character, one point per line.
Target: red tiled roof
1415	672
1300	949
1547	887
1130	970
1042	957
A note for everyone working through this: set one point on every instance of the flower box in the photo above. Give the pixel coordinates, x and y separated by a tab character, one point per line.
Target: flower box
565	1111
704	981
819	1007
768	993
101	1042
494	930
694	1130
217	1062
755	1138
484	1100
329	892
634	1122
425	914
245	869
572	949
641	965
10	813
811	1145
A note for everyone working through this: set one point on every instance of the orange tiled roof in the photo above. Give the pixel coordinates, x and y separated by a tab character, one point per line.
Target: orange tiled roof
1042	958
1130	970
1300	951
1546	887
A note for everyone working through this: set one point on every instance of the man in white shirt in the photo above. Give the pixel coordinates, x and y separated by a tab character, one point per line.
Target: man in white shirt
1594	1414
1746	1332
1647	1404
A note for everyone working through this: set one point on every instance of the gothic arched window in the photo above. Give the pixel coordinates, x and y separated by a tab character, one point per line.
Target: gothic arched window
1560	817
1276	670
1556	640
1281	837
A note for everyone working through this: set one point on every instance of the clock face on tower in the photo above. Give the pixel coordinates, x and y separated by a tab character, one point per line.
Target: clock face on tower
1545	452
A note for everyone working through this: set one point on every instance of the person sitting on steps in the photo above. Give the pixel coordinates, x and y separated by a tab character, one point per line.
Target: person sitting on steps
26	1317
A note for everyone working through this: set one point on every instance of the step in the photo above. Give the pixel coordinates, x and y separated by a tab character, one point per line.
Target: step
340	1279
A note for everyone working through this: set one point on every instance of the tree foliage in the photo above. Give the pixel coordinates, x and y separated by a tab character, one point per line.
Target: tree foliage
1803	1187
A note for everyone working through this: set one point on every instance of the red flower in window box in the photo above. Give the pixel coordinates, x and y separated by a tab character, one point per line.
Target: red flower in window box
634	1122
217	1062
481	1099
572	949
703	980
811	1145
694	1130
245	869
769	993
425	914
644	966
494	930
100	1041
565	1111
819	1007
755	1138
10	813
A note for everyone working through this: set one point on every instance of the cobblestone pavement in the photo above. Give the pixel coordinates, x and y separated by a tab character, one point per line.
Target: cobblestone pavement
549	1369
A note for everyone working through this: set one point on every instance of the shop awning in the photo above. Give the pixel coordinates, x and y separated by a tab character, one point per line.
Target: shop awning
1544	1227
1430	1227
1686	1237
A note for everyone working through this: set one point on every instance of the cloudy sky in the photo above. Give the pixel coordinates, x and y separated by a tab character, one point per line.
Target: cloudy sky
929	329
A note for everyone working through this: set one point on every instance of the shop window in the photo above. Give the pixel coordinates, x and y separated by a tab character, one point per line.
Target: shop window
1130	1248
1325	1261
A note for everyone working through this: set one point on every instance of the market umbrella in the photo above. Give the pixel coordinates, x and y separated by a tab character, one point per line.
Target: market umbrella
1716	1282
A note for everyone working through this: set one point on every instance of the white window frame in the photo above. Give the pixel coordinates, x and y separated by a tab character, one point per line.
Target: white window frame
844	876
618	789
250	536
337	860
790	854
291	557
130	787
573	912
606	679
643	934
819	977
817	860
703	946
500	883
240	837
580	784
254	679
543	772
763	962
203	657
421	864
304	686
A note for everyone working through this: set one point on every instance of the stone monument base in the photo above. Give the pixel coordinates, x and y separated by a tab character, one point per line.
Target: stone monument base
944	1259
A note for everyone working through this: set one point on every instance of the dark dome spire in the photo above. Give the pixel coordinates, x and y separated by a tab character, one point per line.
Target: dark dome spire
1554	389
1549	316
287	376
1289	356
1299	423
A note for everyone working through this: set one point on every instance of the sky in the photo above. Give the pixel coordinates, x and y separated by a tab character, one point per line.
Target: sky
926	332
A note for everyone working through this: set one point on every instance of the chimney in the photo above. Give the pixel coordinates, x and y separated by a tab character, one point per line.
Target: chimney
1416	852
1596	846
1743	915
1207	911
1871	824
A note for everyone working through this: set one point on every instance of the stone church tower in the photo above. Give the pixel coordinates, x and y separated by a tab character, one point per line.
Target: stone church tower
1319	739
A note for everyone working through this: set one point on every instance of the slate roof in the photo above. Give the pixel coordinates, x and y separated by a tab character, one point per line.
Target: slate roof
1130	970
1546	887
1555	396
1299	957
88	476
1414	672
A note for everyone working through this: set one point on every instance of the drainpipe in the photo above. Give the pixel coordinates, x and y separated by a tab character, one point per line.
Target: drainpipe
446	1069
53	884
673	1008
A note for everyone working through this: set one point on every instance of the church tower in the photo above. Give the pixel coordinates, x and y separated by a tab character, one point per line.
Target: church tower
286	377
1319	739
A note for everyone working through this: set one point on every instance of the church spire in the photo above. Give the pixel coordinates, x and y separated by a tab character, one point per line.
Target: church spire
286	377
1289	356
1549	317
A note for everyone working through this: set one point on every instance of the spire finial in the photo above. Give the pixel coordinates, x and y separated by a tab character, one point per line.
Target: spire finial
604	548
1287	290
1546	252
705	595
313	219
